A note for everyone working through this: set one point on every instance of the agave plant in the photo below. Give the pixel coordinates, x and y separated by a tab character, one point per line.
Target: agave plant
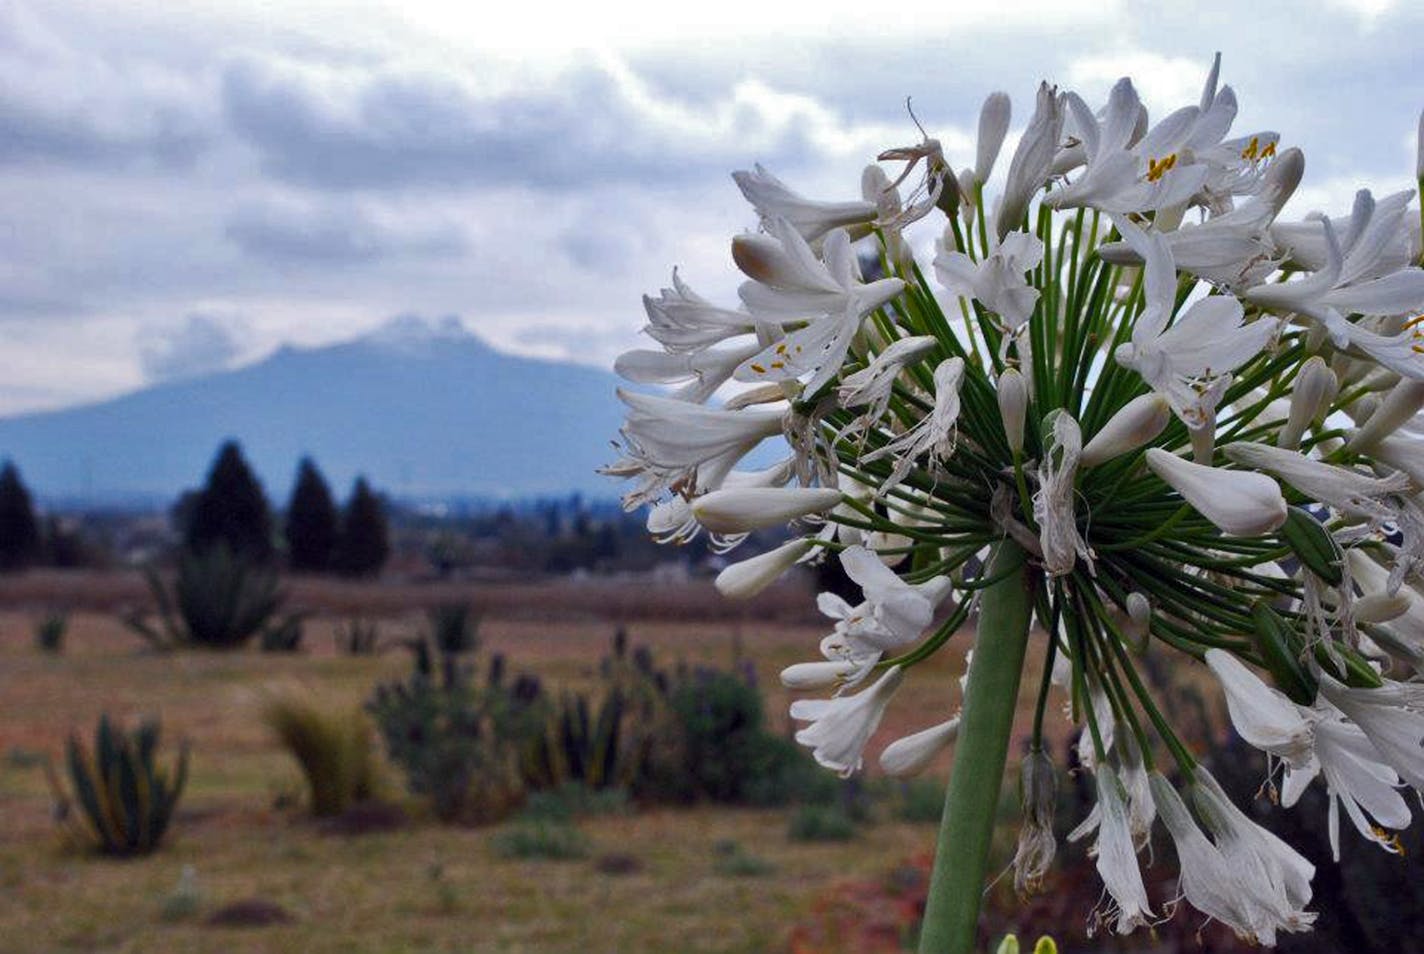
126	798
217	600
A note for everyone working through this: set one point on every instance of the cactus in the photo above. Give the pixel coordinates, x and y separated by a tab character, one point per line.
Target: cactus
126	797
217	600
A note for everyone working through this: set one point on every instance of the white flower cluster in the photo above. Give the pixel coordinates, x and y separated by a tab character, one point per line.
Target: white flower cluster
1200	424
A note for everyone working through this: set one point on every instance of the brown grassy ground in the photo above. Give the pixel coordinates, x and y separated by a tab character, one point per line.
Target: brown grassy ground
377	893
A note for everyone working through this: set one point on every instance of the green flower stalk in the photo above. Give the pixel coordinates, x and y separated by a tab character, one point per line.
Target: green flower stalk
1132	407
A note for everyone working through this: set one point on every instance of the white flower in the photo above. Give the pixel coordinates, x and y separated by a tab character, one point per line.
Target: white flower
1355	776
774	199
671	437
1262	715
1117	858
1032	161
1327	298
700	372
912	754
1121	175
1190	362
791	282
998	280
893	614
1390	718
840	727
739	510
1137	423
1398	407
1279	875
747	578
1353	494
679	319
1241	503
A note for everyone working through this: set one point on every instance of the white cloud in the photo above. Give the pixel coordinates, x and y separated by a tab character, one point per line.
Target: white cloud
1165	83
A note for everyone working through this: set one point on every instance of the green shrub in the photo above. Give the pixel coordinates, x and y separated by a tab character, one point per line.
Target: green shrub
49	633
458	741
732	862
821	823
126	798
217	600
545	840
332	746
573	800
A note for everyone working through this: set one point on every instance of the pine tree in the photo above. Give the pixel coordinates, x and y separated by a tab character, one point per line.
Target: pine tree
365	538
313	523
231	509
19	529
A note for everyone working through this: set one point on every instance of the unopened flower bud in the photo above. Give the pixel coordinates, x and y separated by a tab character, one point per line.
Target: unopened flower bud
1419	159
1402	403
1315	388
1241	503
1281	179
741	510
1381	607
761	258
814	676
913	754
747	578
993	126
1013	406
1137	423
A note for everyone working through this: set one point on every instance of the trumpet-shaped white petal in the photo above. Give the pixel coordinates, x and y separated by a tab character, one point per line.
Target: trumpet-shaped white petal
841	727
872	384
1279	874
1137	423
997	281
1262	715
1358	495
741	510
701	373
747	578
1117	858
912	754
679	319
1390	717
1190	362
774	199
1241	503
1032	161
1355	777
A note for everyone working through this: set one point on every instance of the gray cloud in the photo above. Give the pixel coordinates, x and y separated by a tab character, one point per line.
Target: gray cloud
354	127
203	344
283	234
60	104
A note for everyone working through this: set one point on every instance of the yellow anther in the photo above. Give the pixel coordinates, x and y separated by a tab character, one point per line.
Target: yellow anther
778	365
1251	148
758	369
1157	168
1269	151
781	349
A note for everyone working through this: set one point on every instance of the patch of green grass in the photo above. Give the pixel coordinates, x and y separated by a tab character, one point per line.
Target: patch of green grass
541	840
573	800
821	823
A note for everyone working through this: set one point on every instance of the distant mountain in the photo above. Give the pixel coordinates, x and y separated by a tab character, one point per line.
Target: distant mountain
422	409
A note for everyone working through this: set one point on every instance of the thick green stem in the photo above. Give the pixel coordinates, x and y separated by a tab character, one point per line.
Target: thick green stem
971	805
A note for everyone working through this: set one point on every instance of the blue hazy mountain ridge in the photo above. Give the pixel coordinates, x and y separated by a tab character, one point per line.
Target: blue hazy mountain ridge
424	410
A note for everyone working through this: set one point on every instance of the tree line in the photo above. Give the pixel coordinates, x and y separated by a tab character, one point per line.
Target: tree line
231	509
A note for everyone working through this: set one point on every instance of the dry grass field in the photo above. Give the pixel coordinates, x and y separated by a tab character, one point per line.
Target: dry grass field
424	887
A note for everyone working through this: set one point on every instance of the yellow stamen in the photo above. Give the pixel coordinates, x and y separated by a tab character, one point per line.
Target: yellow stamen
1157	168
1269	151
1251	149
778	365
758	369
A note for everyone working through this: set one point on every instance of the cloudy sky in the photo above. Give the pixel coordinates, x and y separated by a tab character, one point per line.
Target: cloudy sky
185	191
